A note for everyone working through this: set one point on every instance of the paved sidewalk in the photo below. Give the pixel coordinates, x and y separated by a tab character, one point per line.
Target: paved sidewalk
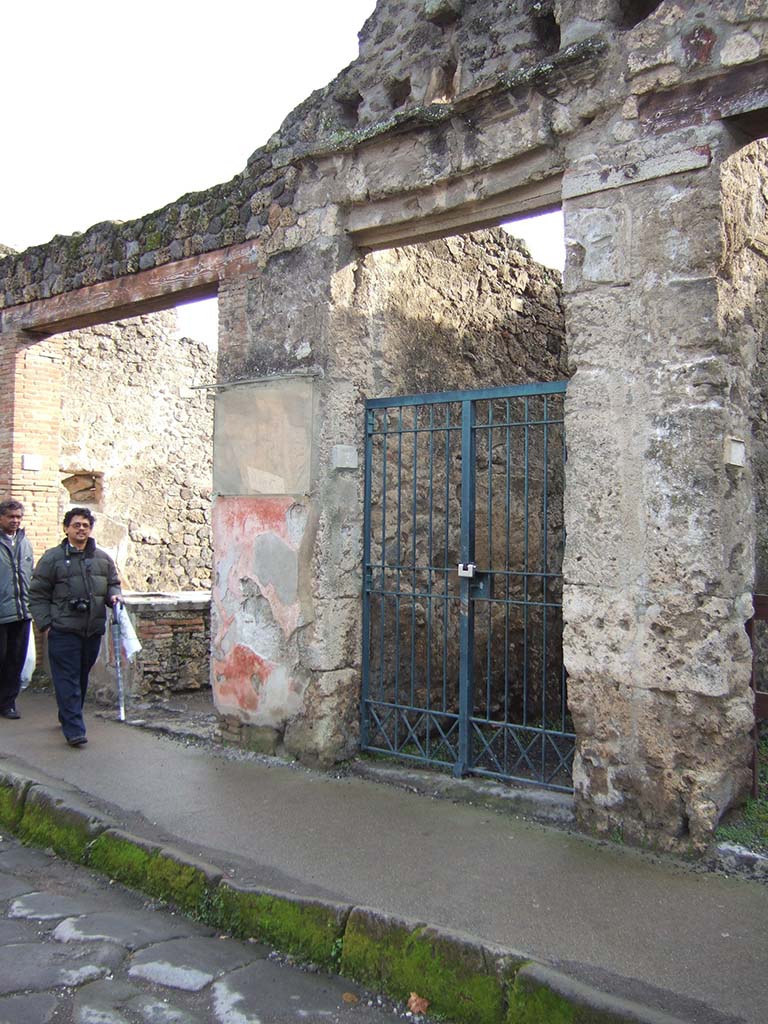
74	948
692	944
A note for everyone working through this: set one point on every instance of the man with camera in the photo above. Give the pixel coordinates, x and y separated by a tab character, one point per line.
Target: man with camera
73	584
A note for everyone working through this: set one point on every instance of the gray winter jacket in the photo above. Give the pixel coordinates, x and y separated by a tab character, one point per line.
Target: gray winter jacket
15	576
63	577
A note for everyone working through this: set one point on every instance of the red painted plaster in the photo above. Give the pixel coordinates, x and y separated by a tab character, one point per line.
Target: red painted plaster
238	519
239	677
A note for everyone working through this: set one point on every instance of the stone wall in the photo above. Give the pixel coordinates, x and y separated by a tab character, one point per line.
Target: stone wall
175	634
456	116
136	447
745	284
462	312
470	311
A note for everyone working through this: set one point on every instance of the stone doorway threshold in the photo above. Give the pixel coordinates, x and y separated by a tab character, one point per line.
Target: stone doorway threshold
189	715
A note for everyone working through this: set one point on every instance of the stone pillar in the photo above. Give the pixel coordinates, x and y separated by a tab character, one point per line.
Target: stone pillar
31	382
659	556
286	526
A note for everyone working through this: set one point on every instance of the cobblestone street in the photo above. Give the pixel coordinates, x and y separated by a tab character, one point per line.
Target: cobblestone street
77	949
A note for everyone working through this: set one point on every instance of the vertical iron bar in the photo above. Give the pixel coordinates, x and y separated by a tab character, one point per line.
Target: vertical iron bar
399	563
413	554
507	568
466	613
489	566
563	695
430	573
383	595
446	553
544	579
526	496
369	421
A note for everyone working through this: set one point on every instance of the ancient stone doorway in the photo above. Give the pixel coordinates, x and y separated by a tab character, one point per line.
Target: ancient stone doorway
462	612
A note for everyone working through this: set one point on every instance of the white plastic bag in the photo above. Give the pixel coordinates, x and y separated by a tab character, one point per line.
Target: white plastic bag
30	661
128	639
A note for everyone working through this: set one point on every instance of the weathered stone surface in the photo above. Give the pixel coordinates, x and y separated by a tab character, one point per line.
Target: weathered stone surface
39	1008
145	440
635	117
131	929
255	985
191	964
45	906
33	967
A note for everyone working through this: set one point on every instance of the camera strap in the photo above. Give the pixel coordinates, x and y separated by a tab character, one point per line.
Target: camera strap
84	568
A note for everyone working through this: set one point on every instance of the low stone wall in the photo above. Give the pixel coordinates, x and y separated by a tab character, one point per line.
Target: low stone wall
174	630
175	635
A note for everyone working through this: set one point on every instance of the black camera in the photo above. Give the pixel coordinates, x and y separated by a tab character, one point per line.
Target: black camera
79	604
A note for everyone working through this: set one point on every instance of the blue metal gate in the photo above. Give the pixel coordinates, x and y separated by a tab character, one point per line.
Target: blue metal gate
462	607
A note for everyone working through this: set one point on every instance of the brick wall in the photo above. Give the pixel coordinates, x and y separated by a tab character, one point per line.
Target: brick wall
30	381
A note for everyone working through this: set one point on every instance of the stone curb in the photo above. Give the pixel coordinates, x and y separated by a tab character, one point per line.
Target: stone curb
550	991
464	979
545	806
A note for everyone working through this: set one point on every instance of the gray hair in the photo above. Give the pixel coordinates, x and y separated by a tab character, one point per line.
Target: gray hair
11	505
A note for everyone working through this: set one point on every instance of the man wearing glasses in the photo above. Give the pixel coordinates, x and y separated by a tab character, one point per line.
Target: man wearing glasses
72	586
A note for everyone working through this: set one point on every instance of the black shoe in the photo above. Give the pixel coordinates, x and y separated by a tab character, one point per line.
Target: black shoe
10	713
77	741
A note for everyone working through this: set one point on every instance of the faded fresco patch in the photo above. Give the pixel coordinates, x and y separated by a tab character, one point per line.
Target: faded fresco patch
256	608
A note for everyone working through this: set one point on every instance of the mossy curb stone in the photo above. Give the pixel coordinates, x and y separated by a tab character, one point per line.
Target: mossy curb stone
65	824
162	871
13	793
462	978
541	995
312	929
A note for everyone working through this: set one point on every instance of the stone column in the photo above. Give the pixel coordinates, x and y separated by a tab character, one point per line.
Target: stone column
286	595
31	382
659	555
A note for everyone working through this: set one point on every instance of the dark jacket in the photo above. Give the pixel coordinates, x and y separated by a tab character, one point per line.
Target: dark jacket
15	576
64	575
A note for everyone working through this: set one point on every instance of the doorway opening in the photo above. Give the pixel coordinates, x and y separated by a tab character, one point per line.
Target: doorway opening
463	532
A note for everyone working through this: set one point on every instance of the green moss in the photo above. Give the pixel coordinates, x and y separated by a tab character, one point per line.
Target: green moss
40	828
307	930
457	983
151	871
120	859
11	807
748	826
182	884
153	240
532	1002
538	1006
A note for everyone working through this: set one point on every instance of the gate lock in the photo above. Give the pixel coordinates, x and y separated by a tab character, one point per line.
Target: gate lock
481	581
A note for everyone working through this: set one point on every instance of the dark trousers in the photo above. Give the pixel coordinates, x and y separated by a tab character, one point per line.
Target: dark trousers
71	658
14	637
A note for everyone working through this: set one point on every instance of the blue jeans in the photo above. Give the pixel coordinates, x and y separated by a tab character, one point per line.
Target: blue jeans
71	658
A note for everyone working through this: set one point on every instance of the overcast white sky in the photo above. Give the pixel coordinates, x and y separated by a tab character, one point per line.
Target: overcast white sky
113	110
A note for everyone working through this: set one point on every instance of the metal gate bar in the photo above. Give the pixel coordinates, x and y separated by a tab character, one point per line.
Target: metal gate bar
464	671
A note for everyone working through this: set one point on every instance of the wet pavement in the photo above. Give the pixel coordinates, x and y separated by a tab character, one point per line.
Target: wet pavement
77	949
640	927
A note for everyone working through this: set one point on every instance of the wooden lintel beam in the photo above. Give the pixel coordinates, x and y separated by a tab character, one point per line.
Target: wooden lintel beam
146	291
90	318
469	217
